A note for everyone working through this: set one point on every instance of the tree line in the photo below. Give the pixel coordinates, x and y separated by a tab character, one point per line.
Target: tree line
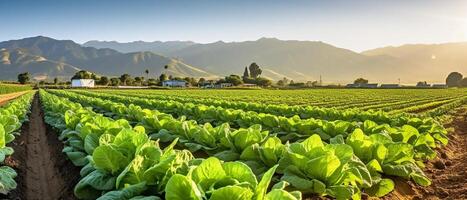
251	75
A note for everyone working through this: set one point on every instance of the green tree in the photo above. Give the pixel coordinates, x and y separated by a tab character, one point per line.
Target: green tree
147	73
255	70
163	77
234	79
23	78
139	80
83	74
360	81
453	79
192	81
152	82
104	81
115	81
264	82
463	82
281	83
125	79
246	74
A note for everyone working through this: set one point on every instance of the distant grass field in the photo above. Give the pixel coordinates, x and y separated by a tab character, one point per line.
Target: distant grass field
10	88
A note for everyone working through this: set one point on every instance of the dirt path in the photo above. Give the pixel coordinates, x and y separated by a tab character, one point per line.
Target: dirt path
448	172
43	170
5	98
43	179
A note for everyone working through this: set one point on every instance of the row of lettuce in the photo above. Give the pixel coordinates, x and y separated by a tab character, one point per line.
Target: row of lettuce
342	166
12	115
286	128
7	88
121	162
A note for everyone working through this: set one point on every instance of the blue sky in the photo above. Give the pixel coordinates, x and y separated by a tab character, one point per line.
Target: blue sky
356	24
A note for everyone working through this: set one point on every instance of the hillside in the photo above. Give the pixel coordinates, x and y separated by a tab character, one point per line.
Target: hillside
60	55
65	51
18	61
159	47
428	59
300	60
136	63
297	60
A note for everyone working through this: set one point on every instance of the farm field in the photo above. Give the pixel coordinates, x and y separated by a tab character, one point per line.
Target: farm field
236	144
421	101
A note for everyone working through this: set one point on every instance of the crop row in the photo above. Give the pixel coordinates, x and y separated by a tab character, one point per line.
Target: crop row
120	162
12	116
288	128
252	145
291	111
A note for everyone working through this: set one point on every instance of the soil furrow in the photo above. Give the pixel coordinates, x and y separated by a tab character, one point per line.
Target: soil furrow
44	172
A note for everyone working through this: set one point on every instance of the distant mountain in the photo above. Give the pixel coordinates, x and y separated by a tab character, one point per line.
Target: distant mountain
428	60
136	63
299	60
307	60
159	47
18	61
66	53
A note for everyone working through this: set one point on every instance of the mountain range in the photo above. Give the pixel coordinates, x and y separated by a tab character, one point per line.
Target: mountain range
47	58
298	60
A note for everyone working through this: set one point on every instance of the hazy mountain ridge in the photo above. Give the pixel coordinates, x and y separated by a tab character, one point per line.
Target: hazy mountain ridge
308	60
128	47
300	60
18	61
102	61
65	51
434	58
297	60
136	63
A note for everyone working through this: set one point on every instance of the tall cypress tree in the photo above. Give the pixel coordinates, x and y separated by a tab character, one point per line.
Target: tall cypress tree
245	73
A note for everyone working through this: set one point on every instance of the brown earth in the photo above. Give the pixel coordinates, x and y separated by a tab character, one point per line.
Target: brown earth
448	172
5	98
43	170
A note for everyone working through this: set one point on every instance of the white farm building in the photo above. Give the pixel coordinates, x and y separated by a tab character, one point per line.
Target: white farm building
88	83
174	83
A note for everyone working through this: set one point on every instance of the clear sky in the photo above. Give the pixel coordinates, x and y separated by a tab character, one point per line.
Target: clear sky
353	24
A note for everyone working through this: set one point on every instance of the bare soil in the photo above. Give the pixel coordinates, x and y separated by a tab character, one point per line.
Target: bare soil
5	98
43	170
448	172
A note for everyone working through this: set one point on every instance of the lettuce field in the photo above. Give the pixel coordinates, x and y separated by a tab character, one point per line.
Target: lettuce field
234	144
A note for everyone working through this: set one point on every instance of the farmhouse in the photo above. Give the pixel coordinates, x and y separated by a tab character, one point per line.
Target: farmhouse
174	83
84	83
